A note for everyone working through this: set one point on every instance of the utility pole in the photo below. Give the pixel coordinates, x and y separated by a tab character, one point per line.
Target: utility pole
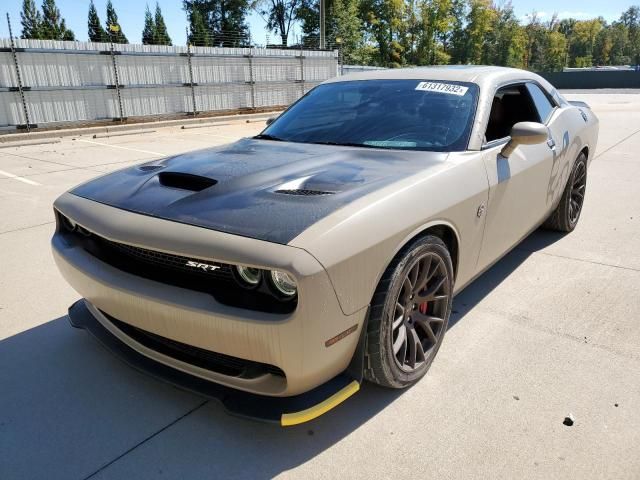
322	26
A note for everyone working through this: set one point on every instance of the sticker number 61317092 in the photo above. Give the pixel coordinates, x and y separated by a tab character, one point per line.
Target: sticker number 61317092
450	88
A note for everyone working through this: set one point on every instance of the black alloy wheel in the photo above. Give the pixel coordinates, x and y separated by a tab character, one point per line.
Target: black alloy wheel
578	187
421	309
566	215
409	313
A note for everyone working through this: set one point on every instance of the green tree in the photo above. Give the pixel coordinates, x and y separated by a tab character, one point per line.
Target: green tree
455	41
113	26
53	25
554	52
198	34
162	35
603	48
620	39
280	15
506	42
308	14
384	20
436	20
224	20
95	31
346	29
631	20
479	25
149	30
31	20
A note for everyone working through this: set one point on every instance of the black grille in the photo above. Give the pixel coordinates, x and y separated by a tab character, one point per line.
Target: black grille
304	192
215	278
214	361
170	261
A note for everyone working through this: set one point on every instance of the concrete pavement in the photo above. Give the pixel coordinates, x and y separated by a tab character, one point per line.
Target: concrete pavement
552	330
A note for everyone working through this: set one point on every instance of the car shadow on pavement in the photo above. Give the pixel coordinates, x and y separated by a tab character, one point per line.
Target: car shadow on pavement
69	409
489	280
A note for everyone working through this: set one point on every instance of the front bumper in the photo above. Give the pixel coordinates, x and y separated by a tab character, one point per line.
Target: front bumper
297	343
286	411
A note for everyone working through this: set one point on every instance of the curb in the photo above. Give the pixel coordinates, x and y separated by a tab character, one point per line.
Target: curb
11	138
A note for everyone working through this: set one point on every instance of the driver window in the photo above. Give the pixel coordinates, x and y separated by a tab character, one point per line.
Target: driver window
510	105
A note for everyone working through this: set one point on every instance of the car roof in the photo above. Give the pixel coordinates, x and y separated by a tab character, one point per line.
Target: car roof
483	75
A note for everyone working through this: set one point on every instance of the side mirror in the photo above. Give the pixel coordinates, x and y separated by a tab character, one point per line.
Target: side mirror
525	133
270	120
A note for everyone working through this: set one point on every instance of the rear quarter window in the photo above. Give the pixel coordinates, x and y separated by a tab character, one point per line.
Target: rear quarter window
541	101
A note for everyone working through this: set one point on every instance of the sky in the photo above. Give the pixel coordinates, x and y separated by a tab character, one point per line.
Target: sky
131	15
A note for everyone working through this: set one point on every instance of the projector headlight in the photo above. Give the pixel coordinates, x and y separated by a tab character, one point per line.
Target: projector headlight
249	275
284	283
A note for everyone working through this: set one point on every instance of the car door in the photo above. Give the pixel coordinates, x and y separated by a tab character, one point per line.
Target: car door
519	185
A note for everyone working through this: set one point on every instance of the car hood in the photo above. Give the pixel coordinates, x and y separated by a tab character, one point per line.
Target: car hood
262	189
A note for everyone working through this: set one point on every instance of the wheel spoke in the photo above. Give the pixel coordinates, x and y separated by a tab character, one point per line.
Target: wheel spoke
434	271
432	290
413	275
399	316
412	349
407	289
425	325
421	281
417	348
400	341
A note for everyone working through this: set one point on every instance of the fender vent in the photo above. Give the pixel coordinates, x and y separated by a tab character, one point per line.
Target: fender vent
304	192
185	181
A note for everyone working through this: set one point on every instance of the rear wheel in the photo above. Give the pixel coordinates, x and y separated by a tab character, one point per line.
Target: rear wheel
409	314
566	215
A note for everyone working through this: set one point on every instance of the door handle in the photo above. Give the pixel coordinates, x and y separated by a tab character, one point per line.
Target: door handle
551	144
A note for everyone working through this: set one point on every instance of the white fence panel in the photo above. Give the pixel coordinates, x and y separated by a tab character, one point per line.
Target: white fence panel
75	81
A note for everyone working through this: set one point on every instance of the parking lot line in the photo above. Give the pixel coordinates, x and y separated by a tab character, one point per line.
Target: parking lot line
123	148
20	179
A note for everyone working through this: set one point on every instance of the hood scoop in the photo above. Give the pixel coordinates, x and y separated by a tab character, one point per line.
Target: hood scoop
185	181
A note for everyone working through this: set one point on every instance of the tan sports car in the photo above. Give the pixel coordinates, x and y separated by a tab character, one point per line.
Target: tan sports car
278	272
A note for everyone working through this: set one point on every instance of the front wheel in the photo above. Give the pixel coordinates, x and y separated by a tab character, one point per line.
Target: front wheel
566	215
410	313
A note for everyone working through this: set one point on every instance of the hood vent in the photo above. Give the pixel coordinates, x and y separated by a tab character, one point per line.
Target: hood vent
149	168
303	192
185	181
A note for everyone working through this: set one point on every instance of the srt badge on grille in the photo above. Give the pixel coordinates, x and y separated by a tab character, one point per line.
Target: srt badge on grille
203	266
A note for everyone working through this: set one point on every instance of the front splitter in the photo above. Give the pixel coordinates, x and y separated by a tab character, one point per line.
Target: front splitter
285	411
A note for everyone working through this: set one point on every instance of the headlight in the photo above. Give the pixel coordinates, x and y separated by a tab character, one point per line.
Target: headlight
284	283
251	276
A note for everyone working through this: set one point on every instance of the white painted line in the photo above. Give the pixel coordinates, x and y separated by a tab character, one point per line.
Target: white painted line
123	148
20	179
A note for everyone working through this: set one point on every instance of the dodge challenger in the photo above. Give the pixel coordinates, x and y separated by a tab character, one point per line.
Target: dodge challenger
277	273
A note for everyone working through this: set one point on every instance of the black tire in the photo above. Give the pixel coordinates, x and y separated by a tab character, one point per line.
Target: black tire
393	297
566	215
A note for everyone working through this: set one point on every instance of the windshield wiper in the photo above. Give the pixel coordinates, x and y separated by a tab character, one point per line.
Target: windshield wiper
266	136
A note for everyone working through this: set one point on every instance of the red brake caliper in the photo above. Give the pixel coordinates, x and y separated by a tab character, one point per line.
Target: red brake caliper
423	308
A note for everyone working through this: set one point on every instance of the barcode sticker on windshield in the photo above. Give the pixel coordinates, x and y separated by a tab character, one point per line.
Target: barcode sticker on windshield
450	88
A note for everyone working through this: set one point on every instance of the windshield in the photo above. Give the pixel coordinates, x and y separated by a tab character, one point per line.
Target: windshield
397	114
